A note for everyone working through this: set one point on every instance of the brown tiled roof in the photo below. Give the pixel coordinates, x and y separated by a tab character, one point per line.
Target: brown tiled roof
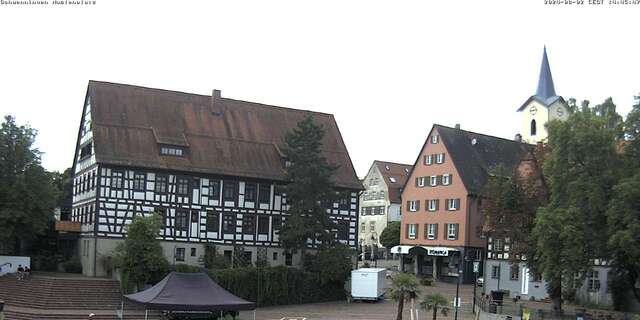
223	136
400	173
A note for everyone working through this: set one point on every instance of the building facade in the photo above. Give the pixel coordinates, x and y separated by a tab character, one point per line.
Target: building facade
380	202
212	168
441	221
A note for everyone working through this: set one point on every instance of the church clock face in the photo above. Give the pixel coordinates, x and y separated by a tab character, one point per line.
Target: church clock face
533	110
559	112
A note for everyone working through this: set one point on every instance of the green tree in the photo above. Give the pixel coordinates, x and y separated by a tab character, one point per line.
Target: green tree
623	219
140	256
390	236
331	263
434	302
632	134
404	287
580	172
310	189
27	193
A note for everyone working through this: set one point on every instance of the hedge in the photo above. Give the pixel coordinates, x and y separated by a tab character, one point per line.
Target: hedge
277	285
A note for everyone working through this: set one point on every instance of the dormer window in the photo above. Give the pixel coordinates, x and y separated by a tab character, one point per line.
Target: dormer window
168	150
434	139
86	151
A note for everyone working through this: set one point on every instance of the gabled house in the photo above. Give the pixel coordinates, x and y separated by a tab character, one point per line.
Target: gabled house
212	167
380	202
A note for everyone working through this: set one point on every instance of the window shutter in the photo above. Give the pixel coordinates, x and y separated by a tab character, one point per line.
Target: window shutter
435	232
446	204
408	205
439	180
425	159
406	231
417	181
426	230
446	231
457	227
426	204
450	178
443	157
417	231
437	204
457	202
417	206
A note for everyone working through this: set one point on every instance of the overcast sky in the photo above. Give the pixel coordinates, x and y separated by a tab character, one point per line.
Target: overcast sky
387	70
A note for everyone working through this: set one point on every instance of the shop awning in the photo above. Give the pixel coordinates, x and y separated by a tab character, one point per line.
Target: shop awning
435	251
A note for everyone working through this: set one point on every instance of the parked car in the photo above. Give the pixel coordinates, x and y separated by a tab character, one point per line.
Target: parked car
480	282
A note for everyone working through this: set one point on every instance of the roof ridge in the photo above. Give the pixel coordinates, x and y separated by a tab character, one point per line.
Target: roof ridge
260	104
486	135
391	162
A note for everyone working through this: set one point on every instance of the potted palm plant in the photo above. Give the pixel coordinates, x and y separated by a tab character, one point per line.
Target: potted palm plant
435	302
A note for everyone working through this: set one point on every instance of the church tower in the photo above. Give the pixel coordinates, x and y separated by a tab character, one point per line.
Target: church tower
541	107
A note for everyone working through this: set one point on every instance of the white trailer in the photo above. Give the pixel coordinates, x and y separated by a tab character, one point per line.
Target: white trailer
368	283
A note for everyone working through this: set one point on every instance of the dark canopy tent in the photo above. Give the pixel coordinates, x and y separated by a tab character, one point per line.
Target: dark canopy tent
189	292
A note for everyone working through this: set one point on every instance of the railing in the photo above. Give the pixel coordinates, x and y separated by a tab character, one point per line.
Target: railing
526	310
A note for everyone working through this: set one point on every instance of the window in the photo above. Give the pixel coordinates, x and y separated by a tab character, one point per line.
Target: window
412	231
343	203
498	245
250	192
433	181
248	224
265	193
139	180
446	179
433	204
453	204
161	183
434	139
228	223
495	272
537	277
229	190
277	224
413	205
182	186
193	252
85	152
440	158
93	180
180	254
428	159
514	272
212	221
263	225
432	231
420	181
182	220
214	189
533	127
288	259
362	226
452	231
117	179
171	151
275	256
372	226
593	283
195	183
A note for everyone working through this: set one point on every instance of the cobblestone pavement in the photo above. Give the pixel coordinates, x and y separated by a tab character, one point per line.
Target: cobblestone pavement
381	310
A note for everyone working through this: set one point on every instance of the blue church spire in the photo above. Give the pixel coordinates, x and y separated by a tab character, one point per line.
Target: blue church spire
546	89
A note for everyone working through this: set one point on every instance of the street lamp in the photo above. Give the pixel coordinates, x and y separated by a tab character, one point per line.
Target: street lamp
373	243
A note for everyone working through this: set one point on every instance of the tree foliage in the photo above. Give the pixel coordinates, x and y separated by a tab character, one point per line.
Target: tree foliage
404	287
310	188
623	218
332	264
27	194
434	302
580	172
390	236
140	256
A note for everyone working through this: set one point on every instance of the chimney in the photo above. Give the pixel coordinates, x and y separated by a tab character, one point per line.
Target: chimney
457	126
216	102
518	137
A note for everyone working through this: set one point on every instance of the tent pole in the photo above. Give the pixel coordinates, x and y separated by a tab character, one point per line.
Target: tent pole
146	314
254	314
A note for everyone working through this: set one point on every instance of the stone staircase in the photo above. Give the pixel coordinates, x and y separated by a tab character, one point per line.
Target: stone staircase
64	297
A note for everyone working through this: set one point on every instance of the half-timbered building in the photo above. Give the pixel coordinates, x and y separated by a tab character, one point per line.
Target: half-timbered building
212	167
